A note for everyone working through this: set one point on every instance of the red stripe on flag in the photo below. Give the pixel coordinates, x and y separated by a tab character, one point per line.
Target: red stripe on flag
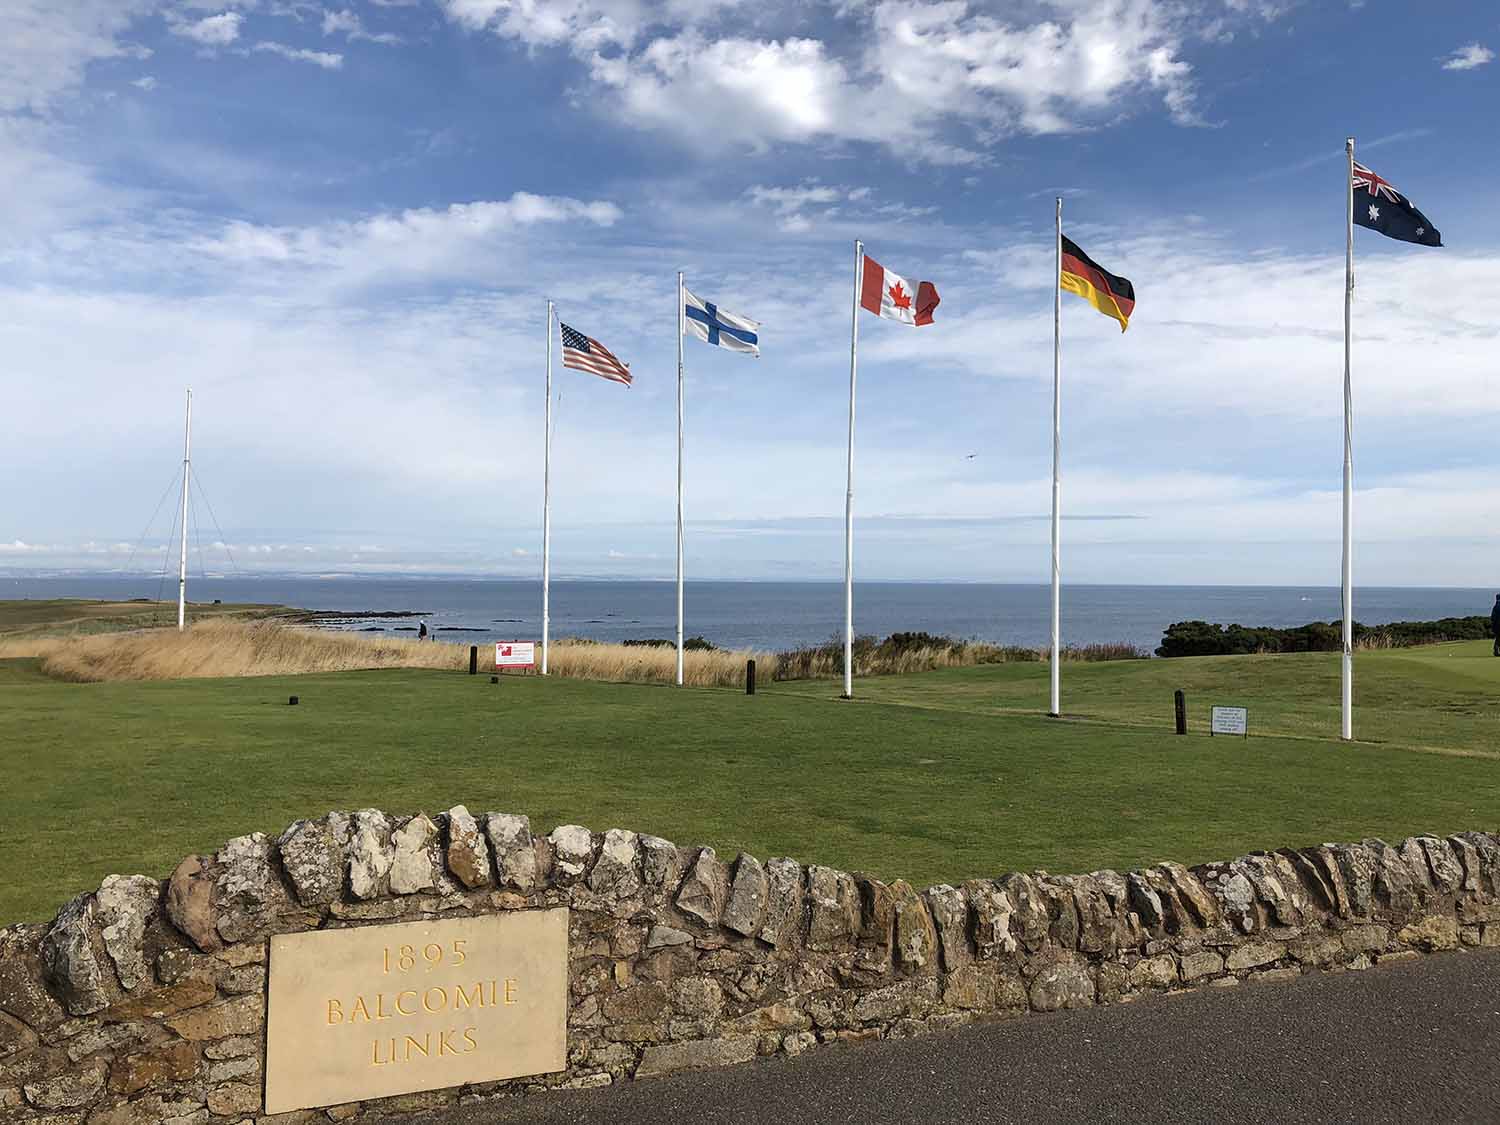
927	301
872	286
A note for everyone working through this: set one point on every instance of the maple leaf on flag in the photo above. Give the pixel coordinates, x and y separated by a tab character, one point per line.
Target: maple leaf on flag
899	297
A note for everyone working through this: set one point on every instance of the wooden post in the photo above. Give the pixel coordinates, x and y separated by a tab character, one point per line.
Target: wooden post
1181	701
473	660
749	677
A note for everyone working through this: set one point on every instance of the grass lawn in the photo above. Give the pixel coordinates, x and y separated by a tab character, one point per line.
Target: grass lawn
932	777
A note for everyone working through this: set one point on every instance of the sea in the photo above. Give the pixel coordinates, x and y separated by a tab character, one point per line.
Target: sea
777	615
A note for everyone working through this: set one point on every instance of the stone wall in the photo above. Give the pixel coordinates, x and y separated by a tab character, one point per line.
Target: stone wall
144	1001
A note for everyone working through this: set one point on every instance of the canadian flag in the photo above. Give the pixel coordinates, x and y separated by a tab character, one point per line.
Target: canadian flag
893	297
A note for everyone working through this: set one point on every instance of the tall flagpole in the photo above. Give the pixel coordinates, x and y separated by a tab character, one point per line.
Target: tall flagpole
859	254
1347	677
547	501
1056	661
680	328
187	469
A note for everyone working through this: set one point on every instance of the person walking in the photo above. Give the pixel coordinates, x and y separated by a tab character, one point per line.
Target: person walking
1495	624
422	632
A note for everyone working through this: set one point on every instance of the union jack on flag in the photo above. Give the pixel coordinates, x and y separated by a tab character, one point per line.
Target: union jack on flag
1375	184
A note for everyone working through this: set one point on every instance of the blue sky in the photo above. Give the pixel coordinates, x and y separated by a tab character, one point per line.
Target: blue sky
339	223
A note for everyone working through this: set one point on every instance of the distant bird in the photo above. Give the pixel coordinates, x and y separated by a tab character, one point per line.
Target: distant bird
971	457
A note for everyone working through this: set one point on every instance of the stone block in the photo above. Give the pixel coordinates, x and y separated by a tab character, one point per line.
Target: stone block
154	1068
1254	954
1432	933
313	857
243	1015
1062	984
68	959
833	909
126	905
705	889
746	909
1203	963
950	914
783	920
696	1054
413	866
617	872
467	853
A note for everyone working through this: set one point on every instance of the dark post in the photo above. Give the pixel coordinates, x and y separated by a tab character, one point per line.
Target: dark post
494	679
749	677
1181	701
292	702
473	660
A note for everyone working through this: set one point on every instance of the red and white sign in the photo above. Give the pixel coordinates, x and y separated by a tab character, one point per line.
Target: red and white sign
515	654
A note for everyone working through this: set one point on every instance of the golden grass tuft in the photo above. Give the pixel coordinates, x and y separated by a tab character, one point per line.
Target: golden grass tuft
268	648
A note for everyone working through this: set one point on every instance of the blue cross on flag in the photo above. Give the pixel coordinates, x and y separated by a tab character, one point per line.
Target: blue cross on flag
713	325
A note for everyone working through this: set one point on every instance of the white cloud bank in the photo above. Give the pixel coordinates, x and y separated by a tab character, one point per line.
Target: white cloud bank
935	81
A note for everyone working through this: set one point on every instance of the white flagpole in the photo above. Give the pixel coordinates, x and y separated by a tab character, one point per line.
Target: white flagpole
859	256
547	500
1347	676
187	469
680	328
1056	705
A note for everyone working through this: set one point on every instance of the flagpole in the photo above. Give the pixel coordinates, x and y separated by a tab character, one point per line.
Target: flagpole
187	469
680	328
547	500
1055	708
1347	669
859	251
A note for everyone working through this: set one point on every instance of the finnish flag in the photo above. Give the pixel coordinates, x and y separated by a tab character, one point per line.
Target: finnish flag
713	325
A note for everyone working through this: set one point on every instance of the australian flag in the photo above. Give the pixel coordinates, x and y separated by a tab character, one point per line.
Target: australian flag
1381	207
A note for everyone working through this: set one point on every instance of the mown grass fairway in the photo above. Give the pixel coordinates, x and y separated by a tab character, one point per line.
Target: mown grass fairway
932	777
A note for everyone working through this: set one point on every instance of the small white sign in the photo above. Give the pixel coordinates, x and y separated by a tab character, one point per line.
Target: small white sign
1231	720
515	654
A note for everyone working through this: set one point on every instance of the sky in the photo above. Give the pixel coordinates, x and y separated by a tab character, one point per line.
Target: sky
340	224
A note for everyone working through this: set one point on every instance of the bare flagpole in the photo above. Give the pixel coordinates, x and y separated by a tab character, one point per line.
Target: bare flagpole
859	254
1055	708
1347	676
680	329
187	468
547	501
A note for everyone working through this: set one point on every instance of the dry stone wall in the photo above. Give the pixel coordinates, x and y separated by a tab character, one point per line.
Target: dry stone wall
144	1001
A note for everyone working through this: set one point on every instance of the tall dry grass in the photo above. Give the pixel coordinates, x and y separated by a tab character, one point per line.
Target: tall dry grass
904	653
267	648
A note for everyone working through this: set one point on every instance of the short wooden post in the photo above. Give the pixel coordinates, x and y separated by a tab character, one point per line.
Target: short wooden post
1181	701
749	677
473	660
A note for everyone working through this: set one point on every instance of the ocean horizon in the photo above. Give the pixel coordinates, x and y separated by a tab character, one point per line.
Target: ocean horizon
775	614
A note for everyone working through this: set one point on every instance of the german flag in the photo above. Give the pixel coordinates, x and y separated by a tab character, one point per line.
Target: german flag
1112	295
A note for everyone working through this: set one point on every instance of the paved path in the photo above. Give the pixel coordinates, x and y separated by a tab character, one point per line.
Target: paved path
1413	1042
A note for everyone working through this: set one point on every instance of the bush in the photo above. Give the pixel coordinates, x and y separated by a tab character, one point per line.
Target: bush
1201	638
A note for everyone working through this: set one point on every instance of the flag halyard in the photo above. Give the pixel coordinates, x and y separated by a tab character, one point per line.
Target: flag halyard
584	353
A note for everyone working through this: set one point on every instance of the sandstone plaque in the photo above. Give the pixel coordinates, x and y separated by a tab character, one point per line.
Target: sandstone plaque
374	1011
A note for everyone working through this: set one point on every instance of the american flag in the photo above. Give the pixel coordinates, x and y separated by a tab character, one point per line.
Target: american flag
583	353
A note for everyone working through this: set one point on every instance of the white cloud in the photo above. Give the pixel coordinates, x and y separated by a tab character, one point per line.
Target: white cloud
418	241
938	81
1469	57
49	45
145	82
349	24
211	31
328	60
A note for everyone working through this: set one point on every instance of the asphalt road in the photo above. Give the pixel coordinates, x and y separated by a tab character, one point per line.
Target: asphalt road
1412	1042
